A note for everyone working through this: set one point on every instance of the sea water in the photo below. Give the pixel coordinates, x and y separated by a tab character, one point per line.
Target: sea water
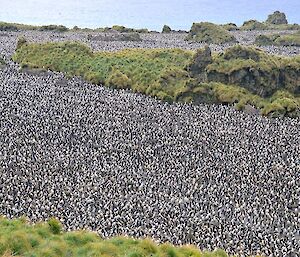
151	14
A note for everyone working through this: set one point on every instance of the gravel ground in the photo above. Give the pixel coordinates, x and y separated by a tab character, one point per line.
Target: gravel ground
123	163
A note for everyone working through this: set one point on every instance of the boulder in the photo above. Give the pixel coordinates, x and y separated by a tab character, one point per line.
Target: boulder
166	29
201	59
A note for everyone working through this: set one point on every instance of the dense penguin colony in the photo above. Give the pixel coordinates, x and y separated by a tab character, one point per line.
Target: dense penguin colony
150	40
122	163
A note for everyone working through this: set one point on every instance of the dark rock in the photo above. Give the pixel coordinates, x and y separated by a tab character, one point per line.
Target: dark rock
200	61
166	29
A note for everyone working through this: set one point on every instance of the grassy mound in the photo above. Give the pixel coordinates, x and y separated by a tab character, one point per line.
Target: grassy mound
253	25
17	237
257	25
240	76
158	73
279	40
210	33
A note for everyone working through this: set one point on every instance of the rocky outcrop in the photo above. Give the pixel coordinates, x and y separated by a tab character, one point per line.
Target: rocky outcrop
166	29
201	59
277	18
249	68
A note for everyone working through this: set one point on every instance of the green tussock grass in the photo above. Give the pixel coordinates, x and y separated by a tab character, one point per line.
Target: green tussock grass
19	238
144	71
239	76
210	33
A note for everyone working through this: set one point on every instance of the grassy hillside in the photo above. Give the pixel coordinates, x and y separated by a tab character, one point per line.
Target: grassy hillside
239	76
18	238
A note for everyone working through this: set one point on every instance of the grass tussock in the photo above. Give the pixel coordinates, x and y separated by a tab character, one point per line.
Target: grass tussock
240	76
19	238
210	33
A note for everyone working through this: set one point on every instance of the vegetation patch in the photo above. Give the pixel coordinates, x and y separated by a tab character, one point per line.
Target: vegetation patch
6	26
253	25
210	33
278	40
230	27
123	29
18	238
240	76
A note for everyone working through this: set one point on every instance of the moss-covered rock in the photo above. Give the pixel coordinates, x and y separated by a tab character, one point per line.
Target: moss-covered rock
166	29
210	33
277	18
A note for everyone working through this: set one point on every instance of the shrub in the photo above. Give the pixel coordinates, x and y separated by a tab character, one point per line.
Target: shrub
207	32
